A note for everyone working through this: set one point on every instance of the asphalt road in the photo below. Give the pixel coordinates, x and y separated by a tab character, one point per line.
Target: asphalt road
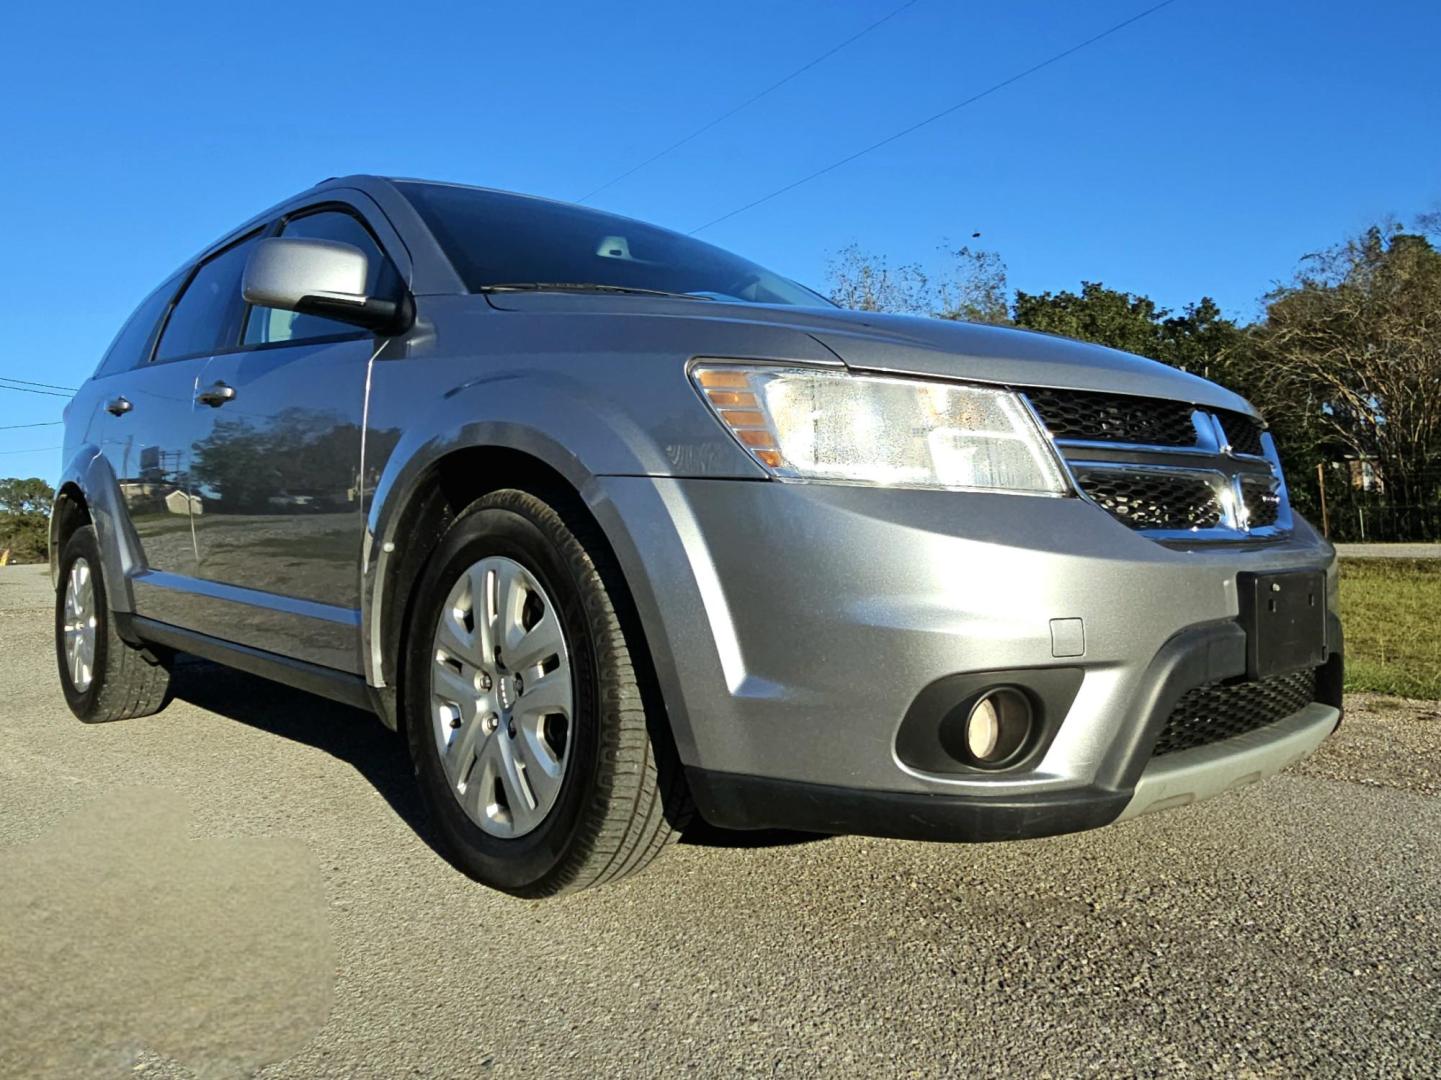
243	881
1389	551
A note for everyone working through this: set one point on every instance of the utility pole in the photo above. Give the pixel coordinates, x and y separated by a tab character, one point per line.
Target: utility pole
1321	484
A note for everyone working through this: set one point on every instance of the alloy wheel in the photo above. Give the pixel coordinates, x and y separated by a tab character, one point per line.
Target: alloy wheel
502	699
80	625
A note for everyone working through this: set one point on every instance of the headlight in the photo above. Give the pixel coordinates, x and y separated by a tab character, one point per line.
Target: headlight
815	424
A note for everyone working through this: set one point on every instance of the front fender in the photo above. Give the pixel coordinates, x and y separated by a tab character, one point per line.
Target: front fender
89	476
545	415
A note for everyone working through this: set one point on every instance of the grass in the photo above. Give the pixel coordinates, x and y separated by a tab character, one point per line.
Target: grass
1391	609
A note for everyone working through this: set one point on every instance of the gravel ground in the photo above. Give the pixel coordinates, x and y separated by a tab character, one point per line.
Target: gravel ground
243	882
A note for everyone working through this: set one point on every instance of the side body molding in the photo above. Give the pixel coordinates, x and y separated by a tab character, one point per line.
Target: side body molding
89	473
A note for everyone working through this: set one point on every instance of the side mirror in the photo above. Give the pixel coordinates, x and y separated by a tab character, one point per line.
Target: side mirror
325	278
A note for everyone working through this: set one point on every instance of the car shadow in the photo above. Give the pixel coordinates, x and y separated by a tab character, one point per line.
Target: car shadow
351	735
703	834
359	739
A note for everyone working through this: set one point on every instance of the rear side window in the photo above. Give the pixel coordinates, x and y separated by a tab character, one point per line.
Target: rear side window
132	345
207	316
267	325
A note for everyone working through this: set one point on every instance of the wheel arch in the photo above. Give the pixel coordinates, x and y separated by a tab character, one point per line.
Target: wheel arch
68	513
89	494
408	531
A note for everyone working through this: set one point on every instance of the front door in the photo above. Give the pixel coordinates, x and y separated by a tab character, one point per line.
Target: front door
274	478
275	473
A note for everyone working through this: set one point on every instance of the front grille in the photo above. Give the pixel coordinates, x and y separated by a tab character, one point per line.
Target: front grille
1262	500
1076	414
1242	432
1219	711
1153	500
1167	468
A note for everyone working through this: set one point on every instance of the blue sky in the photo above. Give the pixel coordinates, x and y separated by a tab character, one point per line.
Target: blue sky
1200	151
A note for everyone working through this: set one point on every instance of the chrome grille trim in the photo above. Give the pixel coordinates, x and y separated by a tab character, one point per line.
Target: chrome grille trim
1249	490
1139	448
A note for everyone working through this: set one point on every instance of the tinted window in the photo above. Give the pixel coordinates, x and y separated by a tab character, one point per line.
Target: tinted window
132	345
207	315
272	324
493	238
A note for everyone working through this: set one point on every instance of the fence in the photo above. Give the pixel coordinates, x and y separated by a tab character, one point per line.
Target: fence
1352	508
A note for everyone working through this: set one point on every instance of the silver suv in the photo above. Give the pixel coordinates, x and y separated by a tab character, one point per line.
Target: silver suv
617	528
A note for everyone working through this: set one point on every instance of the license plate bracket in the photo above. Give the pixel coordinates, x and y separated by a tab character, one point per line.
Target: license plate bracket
1284	615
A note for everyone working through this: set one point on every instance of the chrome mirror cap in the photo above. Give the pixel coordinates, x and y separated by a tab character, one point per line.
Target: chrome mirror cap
285	273
324	278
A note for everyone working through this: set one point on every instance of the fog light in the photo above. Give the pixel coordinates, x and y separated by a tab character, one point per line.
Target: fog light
998	726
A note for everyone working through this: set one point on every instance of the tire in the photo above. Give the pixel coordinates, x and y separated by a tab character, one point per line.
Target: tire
121	680
607	812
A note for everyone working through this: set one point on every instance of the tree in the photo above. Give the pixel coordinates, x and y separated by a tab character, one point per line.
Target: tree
973	288
25	518
865	282
32	496
1355	342
1098	314
976	289
1200	339
1204	342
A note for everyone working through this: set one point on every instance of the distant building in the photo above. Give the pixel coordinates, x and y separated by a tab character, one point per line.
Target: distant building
178	502
1363	471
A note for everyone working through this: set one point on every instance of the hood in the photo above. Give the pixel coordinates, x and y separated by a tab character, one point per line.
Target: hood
914	345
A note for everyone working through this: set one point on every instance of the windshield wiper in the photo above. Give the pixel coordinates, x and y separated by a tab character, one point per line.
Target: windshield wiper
582	286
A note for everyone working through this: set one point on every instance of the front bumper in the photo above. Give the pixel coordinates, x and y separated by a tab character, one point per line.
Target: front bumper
1135	784
1196	774
794	626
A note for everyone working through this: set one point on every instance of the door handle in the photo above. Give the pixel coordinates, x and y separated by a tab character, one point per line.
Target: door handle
119	407
216	396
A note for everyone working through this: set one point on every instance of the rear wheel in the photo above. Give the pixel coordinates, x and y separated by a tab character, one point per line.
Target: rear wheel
525	710
104	678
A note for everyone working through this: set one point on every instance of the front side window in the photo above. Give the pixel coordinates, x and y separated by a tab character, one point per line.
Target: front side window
132	345
207	316
269	325
496	239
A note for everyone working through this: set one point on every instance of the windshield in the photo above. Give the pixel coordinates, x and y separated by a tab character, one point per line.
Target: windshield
495	239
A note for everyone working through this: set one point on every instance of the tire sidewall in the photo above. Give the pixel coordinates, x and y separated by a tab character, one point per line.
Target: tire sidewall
498	526
83	544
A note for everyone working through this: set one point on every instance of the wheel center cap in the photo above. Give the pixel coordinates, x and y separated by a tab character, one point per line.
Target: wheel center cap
503	692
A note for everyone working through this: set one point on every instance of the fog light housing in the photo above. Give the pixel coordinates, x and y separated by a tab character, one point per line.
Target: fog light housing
932	737
998	727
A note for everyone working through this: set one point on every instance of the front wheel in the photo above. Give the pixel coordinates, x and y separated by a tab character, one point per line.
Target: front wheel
103	676
526	705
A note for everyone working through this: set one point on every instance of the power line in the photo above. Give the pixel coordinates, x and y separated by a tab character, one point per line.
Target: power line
27	382
44	423
33	450
987	92
746	103
28	390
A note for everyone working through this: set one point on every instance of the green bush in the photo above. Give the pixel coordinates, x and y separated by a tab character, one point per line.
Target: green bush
25	518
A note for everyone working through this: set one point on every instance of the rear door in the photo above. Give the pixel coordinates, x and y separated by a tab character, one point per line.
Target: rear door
139	427
147	427
276	470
